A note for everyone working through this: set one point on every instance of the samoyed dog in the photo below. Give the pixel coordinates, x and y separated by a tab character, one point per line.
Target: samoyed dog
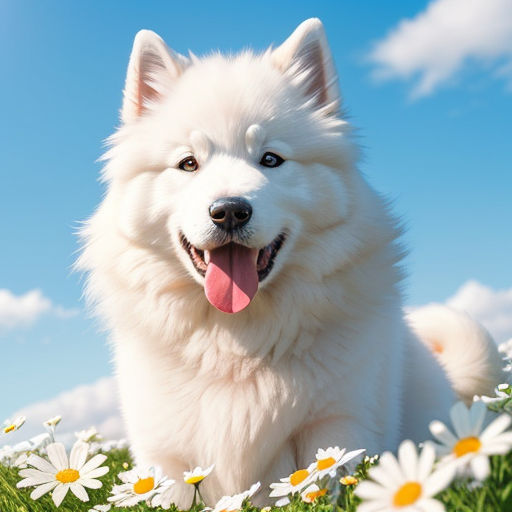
250	276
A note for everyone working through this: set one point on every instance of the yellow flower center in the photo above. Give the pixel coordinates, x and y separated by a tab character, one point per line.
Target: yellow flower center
194	479
66	476
407	494
313	495
325	463
466	445
10	428
348	480
144	485
299	476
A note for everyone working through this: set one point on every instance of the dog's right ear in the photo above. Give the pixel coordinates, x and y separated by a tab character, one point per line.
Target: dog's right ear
151	68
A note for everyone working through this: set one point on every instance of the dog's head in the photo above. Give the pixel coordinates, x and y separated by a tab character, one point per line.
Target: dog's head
234	164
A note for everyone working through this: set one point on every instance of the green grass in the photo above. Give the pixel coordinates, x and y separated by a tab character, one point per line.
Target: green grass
492	495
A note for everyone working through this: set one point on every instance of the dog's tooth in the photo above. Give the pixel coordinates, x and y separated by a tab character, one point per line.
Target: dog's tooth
206	256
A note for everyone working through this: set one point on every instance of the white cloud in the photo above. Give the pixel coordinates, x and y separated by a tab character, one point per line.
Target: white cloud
23	310
437	43
84	406
493	308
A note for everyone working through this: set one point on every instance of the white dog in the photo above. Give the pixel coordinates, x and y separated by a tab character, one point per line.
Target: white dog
250	277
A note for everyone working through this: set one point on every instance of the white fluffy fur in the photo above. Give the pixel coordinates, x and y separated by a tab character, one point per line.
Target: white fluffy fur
322	356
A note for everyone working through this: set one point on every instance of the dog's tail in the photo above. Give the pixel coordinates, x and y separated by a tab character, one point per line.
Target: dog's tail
464	348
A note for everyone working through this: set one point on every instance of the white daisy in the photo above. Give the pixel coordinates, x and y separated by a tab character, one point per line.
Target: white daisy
139	484
60	474
197	475
471	445
506	348
88	435
234	503
311	493
11	426
52	422
100	508
502	391
349	480
328	461
406	484
292	484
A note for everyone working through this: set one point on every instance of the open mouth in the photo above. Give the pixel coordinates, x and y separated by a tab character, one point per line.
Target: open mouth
264	262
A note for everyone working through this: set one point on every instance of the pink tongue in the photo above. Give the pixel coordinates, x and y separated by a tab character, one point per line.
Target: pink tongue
231	277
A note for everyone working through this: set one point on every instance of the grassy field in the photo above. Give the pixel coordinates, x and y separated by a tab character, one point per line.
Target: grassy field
464	495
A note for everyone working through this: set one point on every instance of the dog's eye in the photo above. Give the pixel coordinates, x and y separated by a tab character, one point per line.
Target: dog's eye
188	164
271	160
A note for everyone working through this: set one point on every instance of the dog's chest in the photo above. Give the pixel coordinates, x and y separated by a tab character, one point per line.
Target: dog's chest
203	418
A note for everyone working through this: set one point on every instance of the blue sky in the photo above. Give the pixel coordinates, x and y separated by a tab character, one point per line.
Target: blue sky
444	158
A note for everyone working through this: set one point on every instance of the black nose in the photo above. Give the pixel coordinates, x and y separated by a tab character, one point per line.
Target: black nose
229	213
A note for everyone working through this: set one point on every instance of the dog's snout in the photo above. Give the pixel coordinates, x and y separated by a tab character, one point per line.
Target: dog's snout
229	213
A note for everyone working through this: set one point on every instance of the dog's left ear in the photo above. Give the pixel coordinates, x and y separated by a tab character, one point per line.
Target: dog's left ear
306	55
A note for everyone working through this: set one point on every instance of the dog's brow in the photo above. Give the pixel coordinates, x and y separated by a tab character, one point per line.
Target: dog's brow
254	138
201	144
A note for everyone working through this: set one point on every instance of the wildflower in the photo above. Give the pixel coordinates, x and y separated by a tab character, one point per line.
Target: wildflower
348	480
292	484
197	475
139	484
311	493
88	435
60	474
502	392
11	426
328	461
234	503
471	446
51	425
100	508
406	484
52	422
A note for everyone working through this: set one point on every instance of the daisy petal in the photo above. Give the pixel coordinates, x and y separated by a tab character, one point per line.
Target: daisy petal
439	479
373	506
408	459
368	490
95	473
500	424
90	483
459	415
430	505
381	476
41	464
57	455
126	476
78	455
59	494
477	415
42	489
96	461
36	477
389	463
480	467
426	461
79	491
